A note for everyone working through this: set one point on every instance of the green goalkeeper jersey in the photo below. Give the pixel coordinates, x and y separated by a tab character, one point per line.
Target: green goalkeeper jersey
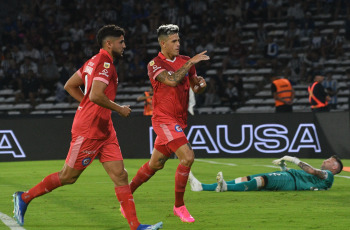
306	181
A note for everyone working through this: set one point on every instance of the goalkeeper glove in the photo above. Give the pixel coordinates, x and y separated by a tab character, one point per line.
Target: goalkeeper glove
294	160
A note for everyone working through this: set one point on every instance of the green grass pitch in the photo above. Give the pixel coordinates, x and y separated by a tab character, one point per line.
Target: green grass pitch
91	203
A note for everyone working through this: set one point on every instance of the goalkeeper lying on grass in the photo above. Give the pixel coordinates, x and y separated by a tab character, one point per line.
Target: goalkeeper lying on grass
308	178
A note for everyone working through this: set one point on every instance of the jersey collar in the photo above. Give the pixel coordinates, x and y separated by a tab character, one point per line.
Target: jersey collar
103	51
164	58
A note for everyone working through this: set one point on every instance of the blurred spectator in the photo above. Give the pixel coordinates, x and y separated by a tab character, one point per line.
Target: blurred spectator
65	72
45	53
313	63
207	45
211	95
331	86
307	25
49	74
316	40
295	12
31	52
171	12
291	36
237	55
337	42
17	55
274	9
28	65
257	9
183	20
139	31
296	69
260	38
29	88
138	70
147	98
234	9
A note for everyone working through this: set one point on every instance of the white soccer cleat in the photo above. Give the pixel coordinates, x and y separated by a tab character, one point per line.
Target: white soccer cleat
196	186
222	186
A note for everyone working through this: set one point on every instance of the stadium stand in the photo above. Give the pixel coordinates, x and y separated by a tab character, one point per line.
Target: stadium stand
64	30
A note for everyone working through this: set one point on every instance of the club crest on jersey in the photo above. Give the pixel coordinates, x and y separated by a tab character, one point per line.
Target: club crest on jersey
86	161
151	63
178	128
106	65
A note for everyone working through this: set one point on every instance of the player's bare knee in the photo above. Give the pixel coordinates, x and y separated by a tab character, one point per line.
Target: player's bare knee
187	159
157	164
67	179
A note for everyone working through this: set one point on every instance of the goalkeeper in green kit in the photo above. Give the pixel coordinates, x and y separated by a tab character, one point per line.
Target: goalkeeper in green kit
308	178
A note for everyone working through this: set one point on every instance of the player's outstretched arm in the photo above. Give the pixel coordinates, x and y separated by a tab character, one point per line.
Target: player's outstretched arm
72	86
98	97
173	79
306	167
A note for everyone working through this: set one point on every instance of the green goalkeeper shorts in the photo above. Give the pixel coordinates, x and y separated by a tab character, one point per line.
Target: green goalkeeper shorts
277	181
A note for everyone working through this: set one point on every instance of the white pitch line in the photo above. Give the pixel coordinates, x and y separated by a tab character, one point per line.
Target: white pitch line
214	162
9	222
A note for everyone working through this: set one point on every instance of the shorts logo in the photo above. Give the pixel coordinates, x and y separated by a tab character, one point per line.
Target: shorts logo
86	161
106	65
178	128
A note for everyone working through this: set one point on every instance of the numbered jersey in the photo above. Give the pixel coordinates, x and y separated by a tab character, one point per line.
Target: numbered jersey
91	120
170	103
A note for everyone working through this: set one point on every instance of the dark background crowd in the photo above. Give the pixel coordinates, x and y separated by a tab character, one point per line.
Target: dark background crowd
43	42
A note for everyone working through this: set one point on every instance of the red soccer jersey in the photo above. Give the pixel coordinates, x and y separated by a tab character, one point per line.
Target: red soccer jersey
91	120
170	103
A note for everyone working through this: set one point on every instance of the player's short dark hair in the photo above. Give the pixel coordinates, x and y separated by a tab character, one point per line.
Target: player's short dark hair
167	30
339	162
109	30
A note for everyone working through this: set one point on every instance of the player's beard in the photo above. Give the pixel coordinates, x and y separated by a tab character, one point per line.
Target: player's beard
116	55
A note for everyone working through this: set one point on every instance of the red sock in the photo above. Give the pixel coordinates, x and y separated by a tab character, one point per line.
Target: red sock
181	177
126	200
143	175
48	184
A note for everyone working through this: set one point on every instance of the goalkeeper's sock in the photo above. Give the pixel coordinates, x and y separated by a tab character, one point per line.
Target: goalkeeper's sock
235	181
48	184
251	185
209	187
142	175
126	200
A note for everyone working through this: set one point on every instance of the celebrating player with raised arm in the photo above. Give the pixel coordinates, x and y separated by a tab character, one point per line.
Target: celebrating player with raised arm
171	76
309	178
93	133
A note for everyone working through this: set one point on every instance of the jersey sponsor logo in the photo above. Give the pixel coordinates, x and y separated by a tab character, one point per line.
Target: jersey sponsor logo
106	65
10	145
155	68
91	63
104	73
88	69
86	161
178	128
151	63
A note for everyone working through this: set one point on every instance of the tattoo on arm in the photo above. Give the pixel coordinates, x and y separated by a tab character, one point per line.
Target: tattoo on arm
311	170
177	76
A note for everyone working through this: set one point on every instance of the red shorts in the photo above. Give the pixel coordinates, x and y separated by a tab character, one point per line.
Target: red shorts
83	151
169	138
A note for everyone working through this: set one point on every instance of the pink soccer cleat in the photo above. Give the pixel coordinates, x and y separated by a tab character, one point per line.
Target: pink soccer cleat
122	211
183	213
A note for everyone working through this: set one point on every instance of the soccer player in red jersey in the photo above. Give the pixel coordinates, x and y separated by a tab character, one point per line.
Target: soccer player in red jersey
171	76
93	133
